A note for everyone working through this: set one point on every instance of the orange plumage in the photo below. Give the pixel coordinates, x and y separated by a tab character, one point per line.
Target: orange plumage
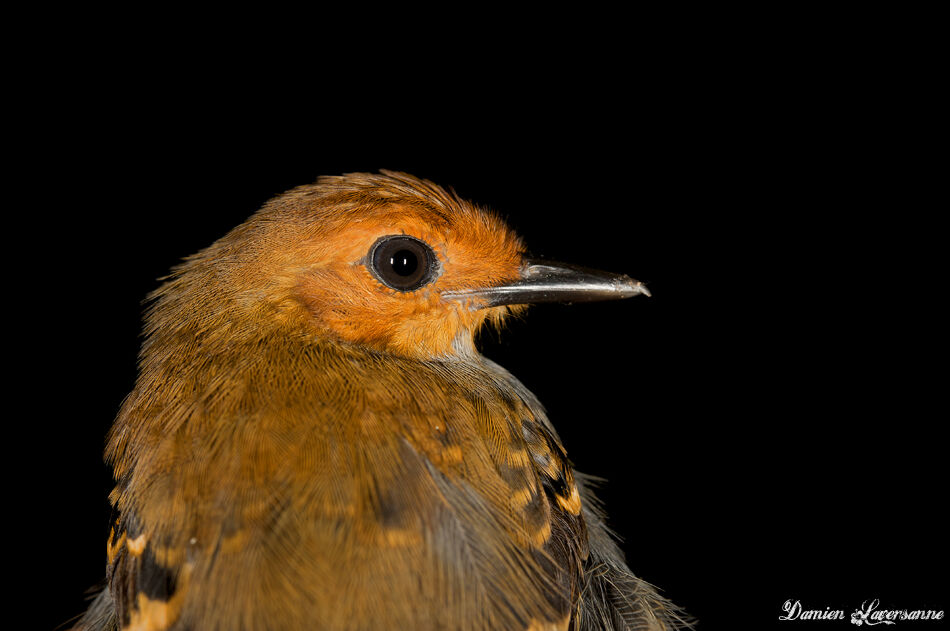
313	441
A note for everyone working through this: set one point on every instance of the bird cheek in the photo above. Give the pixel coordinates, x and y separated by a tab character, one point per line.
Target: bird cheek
350	305
417	325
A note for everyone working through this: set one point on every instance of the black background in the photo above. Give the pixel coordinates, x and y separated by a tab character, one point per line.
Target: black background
767	422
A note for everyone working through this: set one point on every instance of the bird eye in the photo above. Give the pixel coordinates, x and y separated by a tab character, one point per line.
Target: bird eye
402	262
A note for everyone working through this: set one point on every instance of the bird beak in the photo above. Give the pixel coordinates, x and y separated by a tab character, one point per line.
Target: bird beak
546	281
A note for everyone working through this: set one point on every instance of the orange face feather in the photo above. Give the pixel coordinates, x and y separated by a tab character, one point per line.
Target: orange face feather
345	300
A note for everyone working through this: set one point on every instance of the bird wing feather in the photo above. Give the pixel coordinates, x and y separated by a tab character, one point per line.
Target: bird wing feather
613	599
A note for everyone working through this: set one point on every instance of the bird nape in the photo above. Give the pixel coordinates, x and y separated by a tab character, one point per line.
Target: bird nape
313	441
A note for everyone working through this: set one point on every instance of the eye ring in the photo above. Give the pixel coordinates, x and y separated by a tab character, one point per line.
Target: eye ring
402	262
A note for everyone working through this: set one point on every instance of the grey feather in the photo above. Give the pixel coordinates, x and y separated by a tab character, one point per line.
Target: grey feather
613	599
100	616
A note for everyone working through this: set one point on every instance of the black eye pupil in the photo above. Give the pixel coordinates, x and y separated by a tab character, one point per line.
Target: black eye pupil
404	263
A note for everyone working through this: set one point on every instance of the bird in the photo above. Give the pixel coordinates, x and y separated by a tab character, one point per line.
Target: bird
314	441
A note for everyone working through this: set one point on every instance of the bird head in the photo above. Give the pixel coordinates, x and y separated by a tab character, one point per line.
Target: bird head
385	261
